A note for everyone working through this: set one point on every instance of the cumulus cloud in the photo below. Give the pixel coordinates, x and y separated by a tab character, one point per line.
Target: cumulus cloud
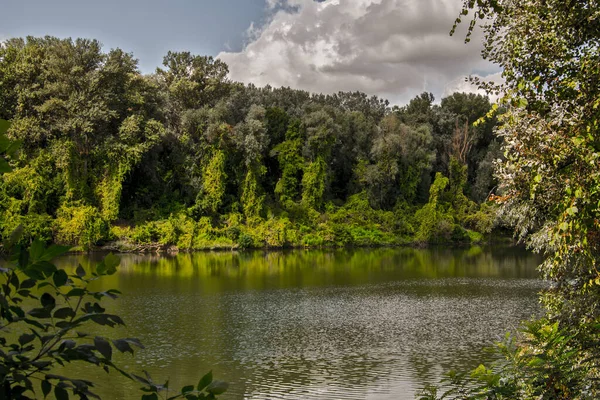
392	48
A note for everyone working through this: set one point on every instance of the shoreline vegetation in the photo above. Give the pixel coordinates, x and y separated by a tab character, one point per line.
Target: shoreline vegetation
185	158
122	247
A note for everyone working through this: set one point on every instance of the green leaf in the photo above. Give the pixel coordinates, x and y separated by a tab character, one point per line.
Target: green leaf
80	271
205	381
111	262
63	313
123	346
4	142
217	387
28	283
54	251
523	102
60	278
44	267
76	292
46	388
48	302
40	313
13	146
103	346
4	166
186	389
34	323
26	338
60	393
36	250
4	126
14	280
14	237
23	258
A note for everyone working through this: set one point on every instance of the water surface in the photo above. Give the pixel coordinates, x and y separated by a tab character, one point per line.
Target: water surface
359	324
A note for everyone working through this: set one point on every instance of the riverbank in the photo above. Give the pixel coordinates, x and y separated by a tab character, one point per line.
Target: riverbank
125	246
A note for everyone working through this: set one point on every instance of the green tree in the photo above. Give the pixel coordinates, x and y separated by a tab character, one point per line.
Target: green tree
313	183
213	183
550	180
549	52
193	81
289	155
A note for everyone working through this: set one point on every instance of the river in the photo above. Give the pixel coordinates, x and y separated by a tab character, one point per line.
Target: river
337	324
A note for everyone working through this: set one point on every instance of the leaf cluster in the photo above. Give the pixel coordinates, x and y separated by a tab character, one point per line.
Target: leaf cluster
46	319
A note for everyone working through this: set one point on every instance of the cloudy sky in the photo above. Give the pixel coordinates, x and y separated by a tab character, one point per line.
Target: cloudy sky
392	48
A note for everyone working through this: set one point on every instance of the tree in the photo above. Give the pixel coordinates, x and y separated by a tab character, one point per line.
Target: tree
110	154
193	81
549	51
289	156
43	313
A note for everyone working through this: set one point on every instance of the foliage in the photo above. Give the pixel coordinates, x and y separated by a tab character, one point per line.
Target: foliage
537	366
44	315
291	163
213	183
252	199
106	146
7	147
549	187
313	183
433	223
79	224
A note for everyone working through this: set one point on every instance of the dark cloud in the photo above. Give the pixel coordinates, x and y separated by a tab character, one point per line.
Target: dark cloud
393	48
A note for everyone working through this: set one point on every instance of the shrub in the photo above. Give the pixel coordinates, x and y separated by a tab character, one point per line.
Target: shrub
245	241
460	234
33	225
79	224
484	220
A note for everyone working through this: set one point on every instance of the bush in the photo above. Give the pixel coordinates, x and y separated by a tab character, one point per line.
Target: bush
545	361
484	220
80	225
245	241
33	225
460	234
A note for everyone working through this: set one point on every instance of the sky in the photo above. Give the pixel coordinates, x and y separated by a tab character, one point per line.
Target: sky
392	48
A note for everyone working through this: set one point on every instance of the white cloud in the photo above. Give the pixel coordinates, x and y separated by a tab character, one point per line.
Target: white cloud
392	48
462	84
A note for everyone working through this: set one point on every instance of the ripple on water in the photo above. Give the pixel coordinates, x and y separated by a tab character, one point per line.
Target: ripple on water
380	338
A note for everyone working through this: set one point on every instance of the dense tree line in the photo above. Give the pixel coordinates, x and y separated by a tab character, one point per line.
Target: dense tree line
186	157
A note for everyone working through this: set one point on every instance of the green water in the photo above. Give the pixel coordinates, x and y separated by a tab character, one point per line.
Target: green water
358	324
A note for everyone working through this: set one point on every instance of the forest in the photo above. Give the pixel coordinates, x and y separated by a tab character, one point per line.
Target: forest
186	159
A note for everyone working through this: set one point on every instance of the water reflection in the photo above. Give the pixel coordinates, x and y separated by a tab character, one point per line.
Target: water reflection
320	324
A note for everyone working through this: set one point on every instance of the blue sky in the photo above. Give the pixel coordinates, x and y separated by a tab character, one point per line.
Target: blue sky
392	48
148	28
